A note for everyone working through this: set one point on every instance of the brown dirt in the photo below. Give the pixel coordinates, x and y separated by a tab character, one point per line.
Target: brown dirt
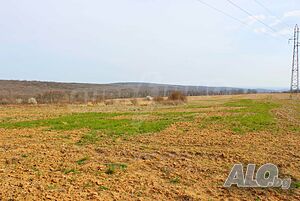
33	162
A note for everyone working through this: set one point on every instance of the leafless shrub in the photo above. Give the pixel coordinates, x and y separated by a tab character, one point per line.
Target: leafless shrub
158	99
122	101
134	102
149	98
4	101
51	97
177	96
109	102
172	102
19	100
32	101
99	98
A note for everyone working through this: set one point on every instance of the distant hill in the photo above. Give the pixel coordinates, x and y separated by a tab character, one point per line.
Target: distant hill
10	90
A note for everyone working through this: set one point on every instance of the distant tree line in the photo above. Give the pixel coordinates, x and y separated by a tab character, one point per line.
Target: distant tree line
85	96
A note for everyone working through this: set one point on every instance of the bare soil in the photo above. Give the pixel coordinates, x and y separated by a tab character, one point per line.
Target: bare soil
182	162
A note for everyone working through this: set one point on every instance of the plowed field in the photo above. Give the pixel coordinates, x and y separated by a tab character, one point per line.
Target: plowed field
148	151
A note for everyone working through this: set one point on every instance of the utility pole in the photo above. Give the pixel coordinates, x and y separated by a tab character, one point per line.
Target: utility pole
295	63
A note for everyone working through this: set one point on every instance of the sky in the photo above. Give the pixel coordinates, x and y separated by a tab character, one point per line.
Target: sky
160	41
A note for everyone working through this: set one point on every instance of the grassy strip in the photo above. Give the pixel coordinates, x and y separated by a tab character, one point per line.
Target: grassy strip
250	116
106	122
245	116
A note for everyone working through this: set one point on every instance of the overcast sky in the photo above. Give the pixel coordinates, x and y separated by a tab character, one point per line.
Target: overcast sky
161	41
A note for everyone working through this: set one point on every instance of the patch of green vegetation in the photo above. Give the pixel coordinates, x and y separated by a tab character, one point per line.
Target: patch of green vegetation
6	119
37	171
112	167
26	136
246	116
52	187
67	171
64	136
103	188
82	161
243	116
295	128
107	123
24	155
88	185
175	180
110	170
89	138
197	106
296	184
215	118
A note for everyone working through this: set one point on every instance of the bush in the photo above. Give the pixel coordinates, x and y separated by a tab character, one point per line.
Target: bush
4	101
32	101
109	102
19	100
177	96
158	99
149	98
51	97
134	102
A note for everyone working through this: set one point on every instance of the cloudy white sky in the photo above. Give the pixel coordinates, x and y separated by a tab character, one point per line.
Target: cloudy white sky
162	41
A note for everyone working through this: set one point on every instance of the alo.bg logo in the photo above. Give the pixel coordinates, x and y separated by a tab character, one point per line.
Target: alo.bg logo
266	176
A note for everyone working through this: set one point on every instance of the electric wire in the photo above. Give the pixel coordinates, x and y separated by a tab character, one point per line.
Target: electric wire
270	12
260	21
231	16
224	13
251	15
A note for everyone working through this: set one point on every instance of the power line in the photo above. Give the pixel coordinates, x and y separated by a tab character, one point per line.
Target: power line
259	3
224	13
228	15
269	11
263	6
251	15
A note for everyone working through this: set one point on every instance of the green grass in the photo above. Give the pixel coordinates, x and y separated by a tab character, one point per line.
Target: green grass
82	160
88	185
52	187
26	136
113	167
175	180
64	136
89	138
246	116
106	123
67	171
197	105
295	128
103	188
296	184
